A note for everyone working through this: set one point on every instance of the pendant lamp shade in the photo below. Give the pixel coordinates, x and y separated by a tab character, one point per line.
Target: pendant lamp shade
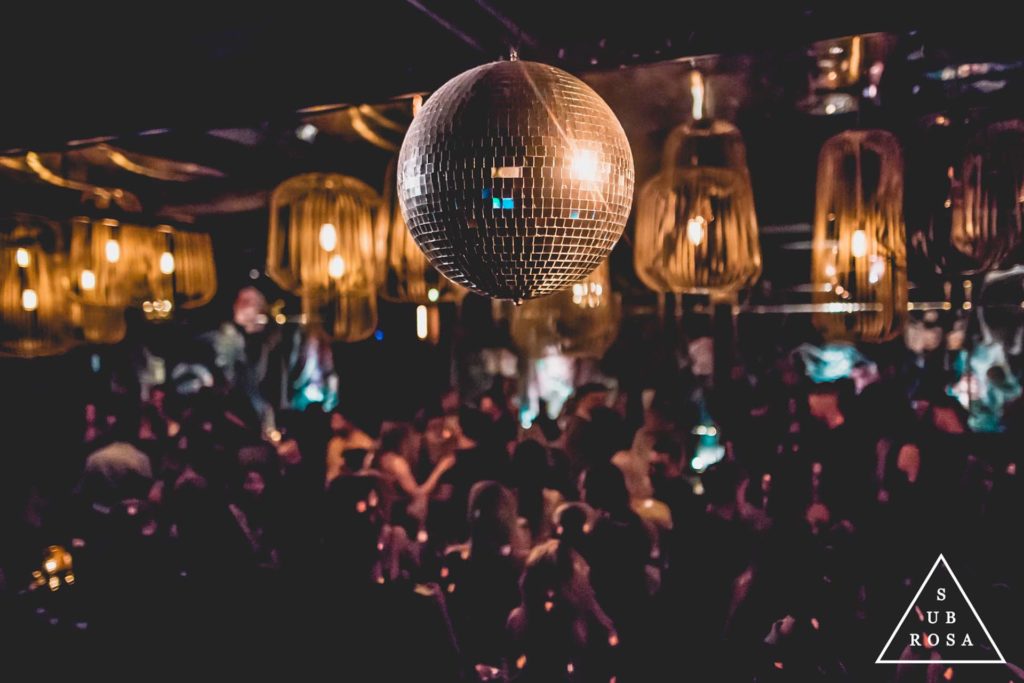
696	228
859	245
322	234
181	271
107	262
34	313
988	214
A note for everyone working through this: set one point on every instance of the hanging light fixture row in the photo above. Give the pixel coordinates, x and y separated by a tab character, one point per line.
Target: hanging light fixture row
515	180
52	300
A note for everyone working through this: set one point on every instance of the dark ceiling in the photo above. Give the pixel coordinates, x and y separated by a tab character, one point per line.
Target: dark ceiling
70	74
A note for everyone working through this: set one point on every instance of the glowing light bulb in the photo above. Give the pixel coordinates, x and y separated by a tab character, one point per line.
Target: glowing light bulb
859	244
22	257
697	94
877	270
167	263
87	280
421	322
29	300
695	230
112	249
433	295
579	290
336	266
584	164
328	237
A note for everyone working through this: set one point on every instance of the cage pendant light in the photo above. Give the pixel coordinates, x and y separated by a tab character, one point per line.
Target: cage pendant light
581	321
107	262
98	324
344	317
859	247
322	234
649	258
34	315
181	271
696	228
702	212
108	272
988	213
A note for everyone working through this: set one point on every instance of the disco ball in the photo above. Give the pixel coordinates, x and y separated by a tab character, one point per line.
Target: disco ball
515	179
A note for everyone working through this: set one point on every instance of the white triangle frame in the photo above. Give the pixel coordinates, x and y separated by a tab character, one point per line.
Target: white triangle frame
942	559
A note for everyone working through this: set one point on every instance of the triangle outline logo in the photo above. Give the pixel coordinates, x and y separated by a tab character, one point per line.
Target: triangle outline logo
941	560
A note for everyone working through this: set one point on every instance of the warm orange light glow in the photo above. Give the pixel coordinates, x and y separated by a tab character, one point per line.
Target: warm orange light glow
695	230
697	94
859	243
585	165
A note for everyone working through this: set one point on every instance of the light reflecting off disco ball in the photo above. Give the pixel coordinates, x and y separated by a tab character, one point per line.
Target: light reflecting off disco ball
515	179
